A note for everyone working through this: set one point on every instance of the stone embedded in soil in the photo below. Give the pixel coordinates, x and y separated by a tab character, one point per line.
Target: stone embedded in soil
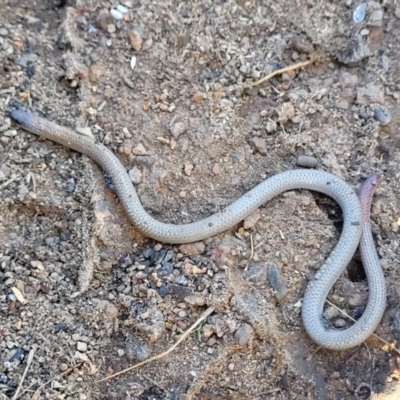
126	147
188	168
382	115
139	150
153	325
243	334
252	219
104	20
177	129
216	169
306	161
135	40
198	96
192	249
208	330
143	352
276	280
136	175
259	144
82	347
372	93
195	300
340	323
130	352
357	51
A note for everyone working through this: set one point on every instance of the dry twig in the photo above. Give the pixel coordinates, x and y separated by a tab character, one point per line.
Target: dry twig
203	316
268	77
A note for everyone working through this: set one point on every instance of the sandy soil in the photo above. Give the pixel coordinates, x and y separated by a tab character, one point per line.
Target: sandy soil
84	295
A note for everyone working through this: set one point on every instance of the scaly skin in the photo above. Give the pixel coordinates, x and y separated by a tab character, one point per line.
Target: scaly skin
355	226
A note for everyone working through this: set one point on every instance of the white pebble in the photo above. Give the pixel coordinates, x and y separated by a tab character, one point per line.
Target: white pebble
116	14
122	9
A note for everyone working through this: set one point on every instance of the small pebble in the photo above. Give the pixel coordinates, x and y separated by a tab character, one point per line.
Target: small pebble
216	169
382	115
188	168
182	314
139	150
63	367
177	129
122	9
71	185
136	175
340	323
192	249
243	334
375	19
276	280
82	347
259	144
251	220
306	161
136	41
130	352
359	13
142	352
116	14
164	290
208	330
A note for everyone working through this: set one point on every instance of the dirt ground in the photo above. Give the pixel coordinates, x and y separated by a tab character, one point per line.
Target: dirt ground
84	295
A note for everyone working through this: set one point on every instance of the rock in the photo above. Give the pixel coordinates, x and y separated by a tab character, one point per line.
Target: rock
306	161
116	14
331	312
177	129
220	254
82	347
108	309
136	175
22	191
372	93
382	115
251	220
198	96
139	150
288	110
151	323
216	169
135	40
129	351
5	170
357	51
276	280
96	72
243	334
359	13
259	144
208	330
111	28
188	168
104	20
375	18
143	352
340	323
126	147
195	300
192	249
63	367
